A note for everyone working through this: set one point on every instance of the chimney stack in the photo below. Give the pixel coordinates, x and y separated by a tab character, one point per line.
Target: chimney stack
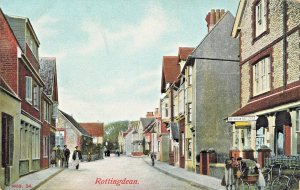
156	113
213	17
149	115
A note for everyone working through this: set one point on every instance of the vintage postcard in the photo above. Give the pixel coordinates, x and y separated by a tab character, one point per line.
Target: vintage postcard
150	94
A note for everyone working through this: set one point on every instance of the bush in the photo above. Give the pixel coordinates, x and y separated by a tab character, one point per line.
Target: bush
146	152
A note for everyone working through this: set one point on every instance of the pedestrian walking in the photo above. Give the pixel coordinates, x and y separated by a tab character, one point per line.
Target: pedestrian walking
76	157
53	157
228	179
152	158
67	156
59	156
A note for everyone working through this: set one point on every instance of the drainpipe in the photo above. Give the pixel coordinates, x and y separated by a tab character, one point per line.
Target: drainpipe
284	22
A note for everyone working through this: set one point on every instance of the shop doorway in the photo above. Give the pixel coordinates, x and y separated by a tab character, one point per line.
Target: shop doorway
7	145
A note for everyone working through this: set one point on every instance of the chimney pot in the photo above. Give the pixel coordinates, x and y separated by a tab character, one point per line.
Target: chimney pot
217	15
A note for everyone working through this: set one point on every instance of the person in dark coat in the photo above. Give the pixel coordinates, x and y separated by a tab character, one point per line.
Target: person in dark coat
76	157
67	155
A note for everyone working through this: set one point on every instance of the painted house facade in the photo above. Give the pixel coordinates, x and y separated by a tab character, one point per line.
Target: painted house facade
49	108
214	65
69	132
138	140
132	126
170	71
10	111
270	76
182	109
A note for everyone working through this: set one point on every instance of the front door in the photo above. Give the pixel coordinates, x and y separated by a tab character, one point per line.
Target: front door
7	145
279	141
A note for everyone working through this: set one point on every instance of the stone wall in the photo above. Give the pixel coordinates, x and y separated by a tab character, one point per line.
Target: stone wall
245	83
275	29
293	61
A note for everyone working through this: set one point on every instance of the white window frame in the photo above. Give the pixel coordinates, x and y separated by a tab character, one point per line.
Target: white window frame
189	112
36	96
260	21
166	110
47	111
45	147
262	76
28	89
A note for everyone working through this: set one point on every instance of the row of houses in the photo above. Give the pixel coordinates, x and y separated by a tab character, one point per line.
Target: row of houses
31	124
235	93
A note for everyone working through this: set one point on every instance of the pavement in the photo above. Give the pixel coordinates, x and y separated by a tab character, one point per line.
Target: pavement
194	179
43	179
35	180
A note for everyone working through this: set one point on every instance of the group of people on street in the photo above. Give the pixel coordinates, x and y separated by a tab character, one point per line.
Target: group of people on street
237	170
60	157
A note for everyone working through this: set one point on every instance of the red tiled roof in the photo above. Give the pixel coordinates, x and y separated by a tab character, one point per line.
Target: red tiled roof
170	70
94	129
184	52
277	99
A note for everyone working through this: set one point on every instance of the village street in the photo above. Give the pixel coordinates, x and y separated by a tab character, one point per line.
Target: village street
117	168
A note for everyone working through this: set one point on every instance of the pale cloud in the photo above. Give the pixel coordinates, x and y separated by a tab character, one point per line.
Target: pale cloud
96	37
43	26
113	87
133	37
116	109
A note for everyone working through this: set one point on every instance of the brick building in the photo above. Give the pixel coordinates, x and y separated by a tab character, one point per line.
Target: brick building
20	69
49	108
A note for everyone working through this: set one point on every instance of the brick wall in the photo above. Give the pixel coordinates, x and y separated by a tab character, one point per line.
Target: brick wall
8	54
33	60
27	107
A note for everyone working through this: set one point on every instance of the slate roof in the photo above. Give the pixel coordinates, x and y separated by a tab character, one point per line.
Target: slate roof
170	71
146	122
47	73
75	123
94	129
184	52
218	43
150	126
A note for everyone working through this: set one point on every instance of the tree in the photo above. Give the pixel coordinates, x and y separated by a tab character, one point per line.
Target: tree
111	133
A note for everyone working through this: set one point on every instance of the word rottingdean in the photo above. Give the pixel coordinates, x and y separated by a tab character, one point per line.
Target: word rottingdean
117	182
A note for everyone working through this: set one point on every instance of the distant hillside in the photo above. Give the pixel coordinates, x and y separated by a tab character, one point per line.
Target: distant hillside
112	131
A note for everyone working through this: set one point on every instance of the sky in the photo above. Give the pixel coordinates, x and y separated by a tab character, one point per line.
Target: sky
109	52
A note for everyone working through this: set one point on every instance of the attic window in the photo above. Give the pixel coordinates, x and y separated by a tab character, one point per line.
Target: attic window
260	12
